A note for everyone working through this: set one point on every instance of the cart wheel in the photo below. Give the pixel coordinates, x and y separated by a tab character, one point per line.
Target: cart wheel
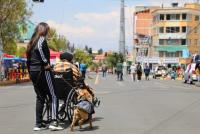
62	115
71	102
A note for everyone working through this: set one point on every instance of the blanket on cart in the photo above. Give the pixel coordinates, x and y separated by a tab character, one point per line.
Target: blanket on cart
64	66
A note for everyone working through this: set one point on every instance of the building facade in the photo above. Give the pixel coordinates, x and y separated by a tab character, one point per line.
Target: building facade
176	31
143	21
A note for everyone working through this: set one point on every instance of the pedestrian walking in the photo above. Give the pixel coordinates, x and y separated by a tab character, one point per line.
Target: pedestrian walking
139	71
133	71
104	70
119	69
38	63
146	71
83	69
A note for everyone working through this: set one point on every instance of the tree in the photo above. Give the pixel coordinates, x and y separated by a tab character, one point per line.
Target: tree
12	13
100	51
113	58
82	57
21	51
57	43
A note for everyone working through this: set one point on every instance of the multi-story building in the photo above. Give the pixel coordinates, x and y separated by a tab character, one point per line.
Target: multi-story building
176	30
143	21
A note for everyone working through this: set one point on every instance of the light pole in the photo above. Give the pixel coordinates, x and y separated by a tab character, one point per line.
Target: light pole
122	30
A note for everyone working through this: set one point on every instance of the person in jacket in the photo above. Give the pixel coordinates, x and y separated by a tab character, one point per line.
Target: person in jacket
104	70
119	69
133	71
139	71
38	63
83	68
146	71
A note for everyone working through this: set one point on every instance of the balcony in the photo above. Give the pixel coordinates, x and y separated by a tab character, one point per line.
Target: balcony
172	36
171	48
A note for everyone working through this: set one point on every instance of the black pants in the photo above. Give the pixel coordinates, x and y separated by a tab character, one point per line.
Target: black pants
43	86
119	75
83	73
139	75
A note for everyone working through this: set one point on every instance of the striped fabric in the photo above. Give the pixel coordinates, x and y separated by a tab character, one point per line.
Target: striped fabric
63	66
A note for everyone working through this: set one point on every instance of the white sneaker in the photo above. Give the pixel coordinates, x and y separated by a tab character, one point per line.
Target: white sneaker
55	127
40	127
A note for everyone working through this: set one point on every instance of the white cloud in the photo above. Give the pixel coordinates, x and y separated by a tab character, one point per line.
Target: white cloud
98	30
97	17
70	30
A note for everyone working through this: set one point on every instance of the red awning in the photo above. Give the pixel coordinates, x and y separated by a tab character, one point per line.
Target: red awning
54	54
5	55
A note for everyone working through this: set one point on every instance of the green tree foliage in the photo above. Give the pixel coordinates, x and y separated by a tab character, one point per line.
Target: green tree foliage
21	51
57	43
82	57
12	13
112	59
10	47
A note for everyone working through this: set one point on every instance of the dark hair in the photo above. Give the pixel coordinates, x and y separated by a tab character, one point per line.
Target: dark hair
40	30
66	56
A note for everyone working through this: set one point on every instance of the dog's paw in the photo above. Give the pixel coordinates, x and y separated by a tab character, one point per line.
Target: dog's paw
71	129
91	127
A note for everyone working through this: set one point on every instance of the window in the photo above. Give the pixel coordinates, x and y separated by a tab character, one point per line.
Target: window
184	29
173	41
184	16
173	16
177	16
161	54
189	42
183	42
172	29
170	54
168	17
162	17
195	30
161	29
196	18
178	54
196	42
161	42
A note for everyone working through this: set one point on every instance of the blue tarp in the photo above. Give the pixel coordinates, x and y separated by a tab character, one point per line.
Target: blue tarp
16	59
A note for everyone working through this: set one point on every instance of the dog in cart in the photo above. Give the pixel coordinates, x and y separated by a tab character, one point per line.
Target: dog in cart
85	98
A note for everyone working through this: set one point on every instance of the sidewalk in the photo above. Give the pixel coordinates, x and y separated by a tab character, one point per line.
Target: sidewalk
12	82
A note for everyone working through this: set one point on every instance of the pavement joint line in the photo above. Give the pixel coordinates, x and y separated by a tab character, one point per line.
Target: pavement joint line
173	116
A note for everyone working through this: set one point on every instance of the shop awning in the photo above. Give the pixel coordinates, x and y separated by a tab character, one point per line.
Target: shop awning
171	48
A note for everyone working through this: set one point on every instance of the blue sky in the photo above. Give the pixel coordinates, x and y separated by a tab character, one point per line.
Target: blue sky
90	22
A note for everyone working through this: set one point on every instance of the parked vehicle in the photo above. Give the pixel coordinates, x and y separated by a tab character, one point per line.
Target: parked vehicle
190	73
160	71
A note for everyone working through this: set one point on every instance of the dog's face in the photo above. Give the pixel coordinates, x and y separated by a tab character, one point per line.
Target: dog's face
84	93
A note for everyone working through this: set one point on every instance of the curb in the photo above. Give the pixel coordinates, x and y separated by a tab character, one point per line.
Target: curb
12	82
